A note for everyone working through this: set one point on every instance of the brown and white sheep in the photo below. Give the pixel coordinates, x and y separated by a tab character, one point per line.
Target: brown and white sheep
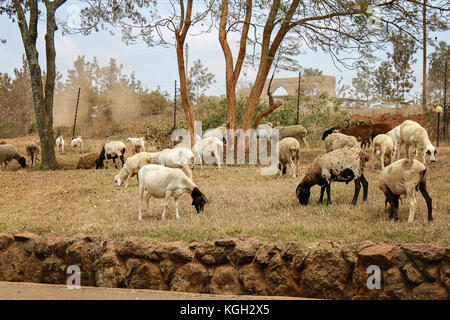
405	176
341	165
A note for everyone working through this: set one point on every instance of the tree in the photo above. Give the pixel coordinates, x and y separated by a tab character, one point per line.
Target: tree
199	79
42	92
311	72
402	57
381	80
362	88
437	70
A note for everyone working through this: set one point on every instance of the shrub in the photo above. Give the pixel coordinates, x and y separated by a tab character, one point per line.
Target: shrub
160	132
32	128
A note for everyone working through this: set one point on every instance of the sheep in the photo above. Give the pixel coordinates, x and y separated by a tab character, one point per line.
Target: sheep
208	146
336	141
87	161
77	142
405	176
137	143
384	147
131	167
264	130
340	126
394	134
296	131
111	150
413	134
289	153
219	132
162	182
60	143
8	153
341	165
32	152
175	158
186	141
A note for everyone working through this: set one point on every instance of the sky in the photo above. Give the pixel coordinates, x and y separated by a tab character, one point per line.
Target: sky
157	66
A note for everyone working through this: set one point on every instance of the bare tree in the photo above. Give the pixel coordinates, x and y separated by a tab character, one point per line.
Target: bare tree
43	93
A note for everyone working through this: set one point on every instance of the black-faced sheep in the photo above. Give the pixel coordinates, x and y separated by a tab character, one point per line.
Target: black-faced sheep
341	165
162	182
8	153
111	150
32	152
405	176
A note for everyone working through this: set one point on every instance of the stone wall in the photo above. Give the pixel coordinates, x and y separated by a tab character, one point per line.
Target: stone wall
231	266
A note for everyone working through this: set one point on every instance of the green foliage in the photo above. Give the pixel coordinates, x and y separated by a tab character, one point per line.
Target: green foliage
32	128
160	132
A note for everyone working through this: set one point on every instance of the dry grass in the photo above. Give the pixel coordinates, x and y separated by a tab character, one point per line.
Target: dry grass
242	203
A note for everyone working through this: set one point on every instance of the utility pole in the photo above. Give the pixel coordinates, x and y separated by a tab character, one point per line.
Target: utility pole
424	77
76	112
175	107
298	95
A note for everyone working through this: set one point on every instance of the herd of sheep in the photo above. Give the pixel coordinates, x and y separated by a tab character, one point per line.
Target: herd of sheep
168	173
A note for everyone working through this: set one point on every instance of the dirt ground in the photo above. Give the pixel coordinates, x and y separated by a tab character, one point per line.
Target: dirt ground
37	291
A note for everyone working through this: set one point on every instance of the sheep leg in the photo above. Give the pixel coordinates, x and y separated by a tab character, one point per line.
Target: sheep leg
128	178
322	192
328	188
411	197
291	164
424	192
216	154
365	185
141	195
114	161
373	158
148	202
305	142
383	152
176	209
166	202
122	159
357	189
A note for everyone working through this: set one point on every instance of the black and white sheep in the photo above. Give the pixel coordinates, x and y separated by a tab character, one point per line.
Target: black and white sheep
405	176
341	165
111	150
163	182
8	153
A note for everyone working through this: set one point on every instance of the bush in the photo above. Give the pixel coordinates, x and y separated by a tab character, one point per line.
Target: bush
160	132
32	128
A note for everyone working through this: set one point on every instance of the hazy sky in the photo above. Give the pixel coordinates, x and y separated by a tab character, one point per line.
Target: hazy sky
156	65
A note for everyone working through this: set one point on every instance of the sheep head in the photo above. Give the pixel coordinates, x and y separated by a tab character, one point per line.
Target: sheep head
198	199
22	162
303	192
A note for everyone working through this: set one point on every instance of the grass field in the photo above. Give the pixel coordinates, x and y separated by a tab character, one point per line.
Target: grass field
242	203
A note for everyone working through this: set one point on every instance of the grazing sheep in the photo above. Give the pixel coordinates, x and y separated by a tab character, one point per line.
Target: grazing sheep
162	182
336	141
32	152
341	165
405	176
87	161
60	143
264	130
131	167
362	132
337	128
413	134
77	143
175	158
8	153
383	146
111	150
186	141
296	131
138	144
379	128
289	153
394	134
208	146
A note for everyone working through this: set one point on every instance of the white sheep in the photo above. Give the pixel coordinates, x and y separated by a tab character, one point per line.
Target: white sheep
405	176
395	136
60	143
77	143
414	135
8	153
137	143
131	167
111	150
341	165
162	182
264	130
175	158
336	141
206	147
383	146
289	153
219	132
32	152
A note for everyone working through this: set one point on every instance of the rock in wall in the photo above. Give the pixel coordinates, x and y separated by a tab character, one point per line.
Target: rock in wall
232	266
